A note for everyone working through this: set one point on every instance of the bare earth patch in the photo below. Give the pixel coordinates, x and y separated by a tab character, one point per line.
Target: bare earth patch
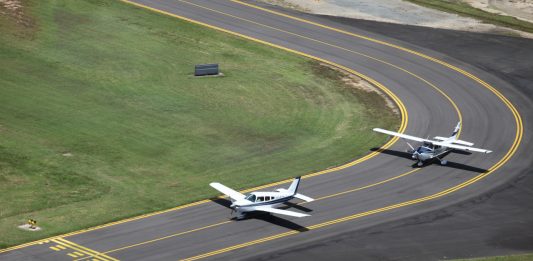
14	9
353	81
402	12
521	9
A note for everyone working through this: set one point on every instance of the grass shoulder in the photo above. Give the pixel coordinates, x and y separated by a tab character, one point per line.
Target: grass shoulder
526	257
101	118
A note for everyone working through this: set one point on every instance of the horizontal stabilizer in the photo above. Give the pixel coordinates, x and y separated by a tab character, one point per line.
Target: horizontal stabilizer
303	197
280	211
227	191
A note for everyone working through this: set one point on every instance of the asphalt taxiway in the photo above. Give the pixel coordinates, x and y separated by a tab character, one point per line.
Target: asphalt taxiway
433	91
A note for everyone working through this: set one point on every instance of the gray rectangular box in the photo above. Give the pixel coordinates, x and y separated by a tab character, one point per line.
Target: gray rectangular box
206	69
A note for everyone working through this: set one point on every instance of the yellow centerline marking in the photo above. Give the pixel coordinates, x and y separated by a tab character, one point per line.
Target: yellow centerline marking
518	120
454	105
365	187
507	156
162	238
401	129
229	221
83	250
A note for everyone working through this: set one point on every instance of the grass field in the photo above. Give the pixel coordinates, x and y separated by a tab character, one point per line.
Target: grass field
461	8
527	257
101	119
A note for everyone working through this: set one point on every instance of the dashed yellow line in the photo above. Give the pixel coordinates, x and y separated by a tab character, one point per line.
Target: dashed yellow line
507	156
226	222
397	101
165	237
80	250
510	153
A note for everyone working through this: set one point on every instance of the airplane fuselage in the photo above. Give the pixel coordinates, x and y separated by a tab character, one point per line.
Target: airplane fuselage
425	153
269	199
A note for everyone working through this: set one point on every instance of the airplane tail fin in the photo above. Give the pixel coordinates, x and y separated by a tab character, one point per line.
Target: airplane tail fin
456	130
294	185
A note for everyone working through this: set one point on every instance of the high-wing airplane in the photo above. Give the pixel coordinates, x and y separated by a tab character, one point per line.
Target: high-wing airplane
434	149
263	201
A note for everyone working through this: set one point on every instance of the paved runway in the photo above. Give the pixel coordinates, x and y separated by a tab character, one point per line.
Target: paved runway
436	90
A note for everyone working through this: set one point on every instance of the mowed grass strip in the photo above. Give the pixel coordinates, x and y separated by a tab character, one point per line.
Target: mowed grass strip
524	257
101	118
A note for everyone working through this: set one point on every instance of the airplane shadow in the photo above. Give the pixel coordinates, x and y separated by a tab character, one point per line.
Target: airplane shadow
275	220
267	217
464	167
296	206
221	201
396	153
450	164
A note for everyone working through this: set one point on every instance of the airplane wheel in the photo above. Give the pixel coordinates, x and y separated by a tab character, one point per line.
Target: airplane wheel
420	163
444	162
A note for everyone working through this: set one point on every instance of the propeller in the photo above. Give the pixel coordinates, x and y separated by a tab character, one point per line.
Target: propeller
410	146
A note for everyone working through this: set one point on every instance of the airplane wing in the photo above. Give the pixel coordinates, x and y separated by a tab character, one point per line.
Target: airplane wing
459	142
303	197
462	142
403	136
280	211
227	191
459	147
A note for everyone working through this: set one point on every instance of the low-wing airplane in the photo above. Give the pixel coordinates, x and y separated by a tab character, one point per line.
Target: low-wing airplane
263	201
433	149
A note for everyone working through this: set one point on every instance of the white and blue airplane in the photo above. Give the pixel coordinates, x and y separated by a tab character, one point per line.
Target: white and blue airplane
434	149
263	201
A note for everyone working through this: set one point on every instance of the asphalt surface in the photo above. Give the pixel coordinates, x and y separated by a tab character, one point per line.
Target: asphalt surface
397	197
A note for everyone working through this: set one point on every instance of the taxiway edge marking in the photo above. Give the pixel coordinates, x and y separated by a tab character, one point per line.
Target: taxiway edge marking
401	129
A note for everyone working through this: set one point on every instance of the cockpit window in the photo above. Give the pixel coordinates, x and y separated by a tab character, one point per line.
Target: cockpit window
260	199
423	150
250	197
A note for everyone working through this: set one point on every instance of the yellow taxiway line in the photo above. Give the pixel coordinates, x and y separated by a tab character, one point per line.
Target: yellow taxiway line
229	221
401	129
79	250
518	137
507	156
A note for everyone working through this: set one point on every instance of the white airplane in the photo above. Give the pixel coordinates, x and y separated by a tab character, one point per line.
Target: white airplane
433	149
263	201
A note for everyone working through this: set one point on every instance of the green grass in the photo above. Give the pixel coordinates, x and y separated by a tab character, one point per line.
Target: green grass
458	7
527	257
100	118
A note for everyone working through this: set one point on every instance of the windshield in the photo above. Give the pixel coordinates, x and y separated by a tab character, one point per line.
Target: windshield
250	197
423	150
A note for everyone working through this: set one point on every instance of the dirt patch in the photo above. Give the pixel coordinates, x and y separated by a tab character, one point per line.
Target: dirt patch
403	12
15	20
353	82
15	10
287	4
521	9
